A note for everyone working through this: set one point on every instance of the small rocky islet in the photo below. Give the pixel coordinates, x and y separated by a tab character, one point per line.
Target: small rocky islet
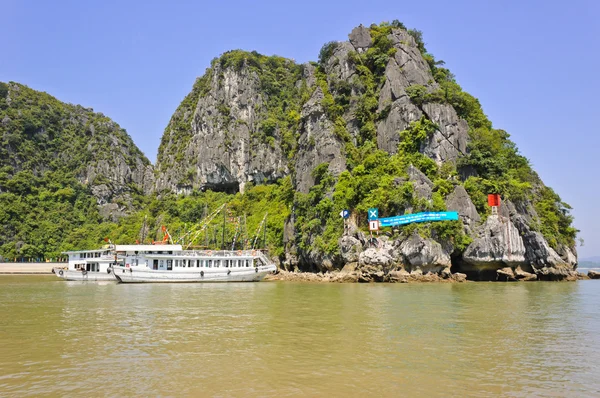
376	122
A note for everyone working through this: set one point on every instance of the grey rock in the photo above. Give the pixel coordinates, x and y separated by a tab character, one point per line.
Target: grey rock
459	277
350	249
449	142
375	257
111	211
593	274
524	276
567	255
317	144
402	112
538	251
421	183
308	74
460	201
338	65
409	58
505	274
498	244
424	255
360	37
394	86
223	153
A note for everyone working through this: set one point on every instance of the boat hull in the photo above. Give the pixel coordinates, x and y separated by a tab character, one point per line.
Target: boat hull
146	275
76	275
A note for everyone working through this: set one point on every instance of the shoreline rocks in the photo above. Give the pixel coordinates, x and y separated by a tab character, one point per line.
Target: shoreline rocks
356	276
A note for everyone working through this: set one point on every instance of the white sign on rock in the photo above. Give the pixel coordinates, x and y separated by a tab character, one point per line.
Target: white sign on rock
374	225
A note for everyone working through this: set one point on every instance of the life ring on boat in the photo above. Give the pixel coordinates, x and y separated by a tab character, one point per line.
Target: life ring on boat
202	274
239	252
256	269
60	272
254	252
209	253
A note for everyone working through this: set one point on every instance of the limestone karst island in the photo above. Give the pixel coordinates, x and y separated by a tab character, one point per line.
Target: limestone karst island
375	123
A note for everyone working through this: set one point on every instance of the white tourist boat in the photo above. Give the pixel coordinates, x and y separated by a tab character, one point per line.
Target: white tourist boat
163	265
88	265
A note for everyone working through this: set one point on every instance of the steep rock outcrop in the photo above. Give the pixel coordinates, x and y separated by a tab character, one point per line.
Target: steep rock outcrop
317	144
425	255
498	244
223	137
460	201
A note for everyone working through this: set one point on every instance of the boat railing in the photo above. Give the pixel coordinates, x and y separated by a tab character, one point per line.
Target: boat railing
210	253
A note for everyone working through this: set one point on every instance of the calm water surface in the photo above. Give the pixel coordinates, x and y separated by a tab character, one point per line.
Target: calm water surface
62	338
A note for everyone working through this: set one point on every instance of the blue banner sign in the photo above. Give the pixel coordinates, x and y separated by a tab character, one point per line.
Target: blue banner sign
418	217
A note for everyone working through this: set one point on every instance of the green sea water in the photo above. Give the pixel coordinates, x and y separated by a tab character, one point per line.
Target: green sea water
274	339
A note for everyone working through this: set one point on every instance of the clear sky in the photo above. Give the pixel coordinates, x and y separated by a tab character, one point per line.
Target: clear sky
532	63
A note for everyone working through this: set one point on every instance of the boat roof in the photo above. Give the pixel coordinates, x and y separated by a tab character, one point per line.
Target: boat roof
85	251
147	248
130	248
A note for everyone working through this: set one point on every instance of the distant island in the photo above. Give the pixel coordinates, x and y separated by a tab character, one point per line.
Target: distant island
376	122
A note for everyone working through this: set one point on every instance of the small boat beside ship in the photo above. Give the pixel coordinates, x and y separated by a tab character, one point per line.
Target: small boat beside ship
88	265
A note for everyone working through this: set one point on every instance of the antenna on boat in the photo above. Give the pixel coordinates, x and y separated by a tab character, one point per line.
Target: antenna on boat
223	241
144	229
238	227
204	225
258	230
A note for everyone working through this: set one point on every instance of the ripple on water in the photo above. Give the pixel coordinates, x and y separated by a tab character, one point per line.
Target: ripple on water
287	339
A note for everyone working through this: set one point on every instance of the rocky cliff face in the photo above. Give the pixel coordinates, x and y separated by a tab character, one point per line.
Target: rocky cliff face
41	134
376	122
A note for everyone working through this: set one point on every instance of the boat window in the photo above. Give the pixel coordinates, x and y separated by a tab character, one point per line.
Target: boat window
169	265
247	263
177	263
155	264
190	263
137	261
209	263
226	263
97	254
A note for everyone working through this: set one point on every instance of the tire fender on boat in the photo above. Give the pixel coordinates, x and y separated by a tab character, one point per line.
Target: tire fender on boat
256	269
228	271
60	272
202	274
108	270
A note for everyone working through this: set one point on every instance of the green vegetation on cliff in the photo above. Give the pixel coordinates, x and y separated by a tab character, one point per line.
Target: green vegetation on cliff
47	151
47	146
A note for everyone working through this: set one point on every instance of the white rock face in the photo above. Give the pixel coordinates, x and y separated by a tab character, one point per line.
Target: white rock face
498	242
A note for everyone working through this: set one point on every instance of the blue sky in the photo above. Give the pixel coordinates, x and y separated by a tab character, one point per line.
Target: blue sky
531	64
